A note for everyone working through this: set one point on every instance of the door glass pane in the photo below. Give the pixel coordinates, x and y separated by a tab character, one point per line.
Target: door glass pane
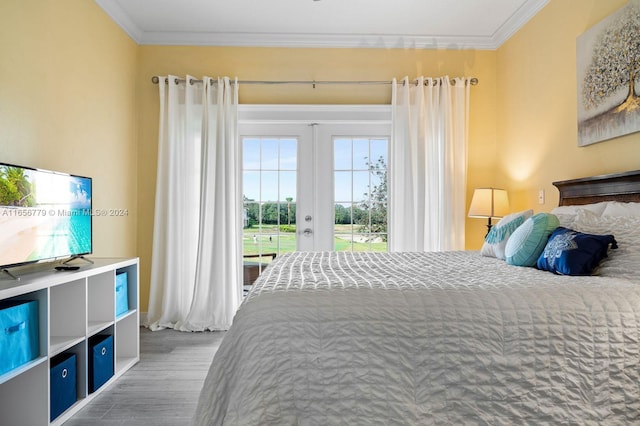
288	154
343	228
251	154
287	187
269	189
342	154
361	242
287	232
269	186
360	195
342	184
270	153
360	185
360	154
378	150
380	243
378	180
251	217
251	184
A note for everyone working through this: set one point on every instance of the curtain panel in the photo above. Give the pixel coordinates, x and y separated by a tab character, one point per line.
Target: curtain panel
428	164
197	256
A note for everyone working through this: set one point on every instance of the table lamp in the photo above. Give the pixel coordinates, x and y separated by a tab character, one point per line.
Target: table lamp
489	203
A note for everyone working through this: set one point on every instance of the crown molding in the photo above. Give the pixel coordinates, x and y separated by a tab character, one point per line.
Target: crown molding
516	21
316	40
121	18
181	38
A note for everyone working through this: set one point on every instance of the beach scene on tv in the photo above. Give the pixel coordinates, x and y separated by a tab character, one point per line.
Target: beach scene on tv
43	215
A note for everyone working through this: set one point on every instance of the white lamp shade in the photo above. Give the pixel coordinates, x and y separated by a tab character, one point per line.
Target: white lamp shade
489	202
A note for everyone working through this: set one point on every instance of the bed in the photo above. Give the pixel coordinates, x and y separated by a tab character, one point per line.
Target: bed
438	338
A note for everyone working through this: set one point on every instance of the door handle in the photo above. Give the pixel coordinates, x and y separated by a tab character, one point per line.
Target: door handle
307	232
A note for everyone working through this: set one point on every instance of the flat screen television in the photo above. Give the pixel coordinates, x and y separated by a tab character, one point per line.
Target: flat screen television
44	215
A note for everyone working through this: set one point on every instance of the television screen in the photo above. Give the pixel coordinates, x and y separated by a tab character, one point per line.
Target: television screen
43	215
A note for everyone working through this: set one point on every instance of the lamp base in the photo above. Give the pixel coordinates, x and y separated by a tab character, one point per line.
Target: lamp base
489	225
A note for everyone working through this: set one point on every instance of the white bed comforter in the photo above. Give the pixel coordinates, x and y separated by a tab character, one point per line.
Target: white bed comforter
426	338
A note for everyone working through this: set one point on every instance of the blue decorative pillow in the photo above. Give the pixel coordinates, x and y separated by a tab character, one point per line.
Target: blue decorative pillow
527	242
496	240
570	252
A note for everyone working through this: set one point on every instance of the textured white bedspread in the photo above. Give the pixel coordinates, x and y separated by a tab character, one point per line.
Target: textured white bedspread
426	338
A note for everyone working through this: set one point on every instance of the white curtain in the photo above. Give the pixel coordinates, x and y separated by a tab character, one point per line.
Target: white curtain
197	257
428	164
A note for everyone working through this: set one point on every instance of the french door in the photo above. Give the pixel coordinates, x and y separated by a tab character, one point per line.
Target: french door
314	179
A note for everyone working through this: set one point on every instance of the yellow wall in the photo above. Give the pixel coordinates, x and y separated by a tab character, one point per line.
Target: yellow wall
68	103
310	64
76	96
537	107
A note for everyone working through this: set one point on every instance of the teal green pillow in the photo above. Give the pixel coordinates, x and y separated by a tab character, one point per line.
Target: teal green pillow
528	241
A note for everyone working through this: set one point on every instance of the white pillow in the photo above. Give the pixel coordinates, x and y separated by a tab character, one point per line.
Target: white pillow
567	214
622	262
496	240
615	208
566	220
596	208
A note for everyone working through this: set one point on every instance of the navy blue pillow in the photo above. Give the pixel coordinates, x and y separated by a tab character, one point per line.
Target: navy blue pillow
569	252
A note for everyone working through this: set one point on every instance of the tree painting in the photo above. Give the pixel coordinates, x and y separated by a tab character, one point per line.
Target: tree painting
609	57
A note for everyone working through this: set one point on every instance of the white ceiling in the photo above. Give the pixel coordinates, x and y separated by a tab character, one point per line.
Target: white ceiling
448	24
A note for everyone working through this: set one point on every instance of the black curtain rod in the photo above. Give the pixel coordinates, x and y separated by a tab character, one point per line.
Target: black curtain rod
155	80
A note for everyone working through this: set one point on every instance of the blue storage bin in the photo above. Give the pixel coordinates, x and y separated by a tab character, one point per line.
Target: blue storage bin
122	293
19	338
62	383
100	360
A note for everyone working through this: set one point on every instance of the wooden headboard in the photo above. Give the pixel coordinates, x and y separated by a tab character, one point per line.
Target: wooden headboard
624	187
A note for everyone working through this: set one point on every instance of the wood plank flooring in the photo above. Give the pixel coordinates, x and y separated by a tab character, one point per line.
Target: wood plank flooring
162	389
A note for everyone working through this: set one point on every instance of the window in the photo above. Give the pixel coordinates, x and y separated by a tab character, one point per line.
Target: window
269	194
360	194
278	189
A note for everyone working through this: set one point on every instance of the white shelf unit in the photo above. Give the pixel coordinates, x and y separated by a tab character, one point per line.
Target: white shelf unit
73	306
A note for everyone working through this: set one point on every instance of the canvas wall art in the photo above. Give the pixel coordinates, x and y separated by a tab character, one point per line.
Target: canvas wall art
608	71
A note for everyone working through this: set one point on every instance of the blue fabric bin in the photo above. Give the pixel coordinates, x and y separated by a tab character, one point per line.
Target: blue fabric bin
122	293
62	383
19	338
100	360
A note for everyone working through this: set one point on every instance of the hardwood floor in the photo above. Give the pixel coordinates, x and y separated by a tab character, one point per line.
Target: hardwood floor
162	389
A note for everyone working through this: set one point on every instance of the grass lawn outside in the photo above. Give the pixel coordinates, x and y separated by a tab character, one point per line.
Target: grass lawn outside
268	239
